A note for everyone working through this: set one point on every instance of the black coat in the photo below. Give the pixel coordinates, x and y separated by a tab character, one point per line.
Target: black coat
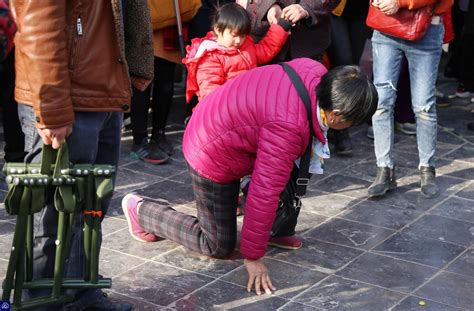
309	38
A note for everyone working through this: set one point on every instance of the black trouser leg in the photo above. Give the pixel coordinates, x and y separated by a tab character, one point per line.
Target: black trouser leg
139	114
162	93
14	137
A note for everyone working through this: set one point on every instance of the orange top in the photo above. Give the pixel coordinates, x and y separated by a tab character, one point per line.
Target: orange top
442	6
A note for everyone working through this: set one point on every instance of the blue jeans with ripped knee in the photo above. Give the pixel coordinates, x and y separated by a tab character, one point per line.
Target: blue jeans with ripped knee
423	59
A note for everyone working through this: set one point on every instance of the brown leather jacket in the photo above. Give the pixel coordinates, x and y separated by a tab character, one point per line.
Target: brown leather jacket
71	56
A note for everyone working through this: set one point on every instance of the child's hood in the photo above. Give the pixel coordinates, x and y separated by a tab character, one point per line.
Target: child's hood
201	46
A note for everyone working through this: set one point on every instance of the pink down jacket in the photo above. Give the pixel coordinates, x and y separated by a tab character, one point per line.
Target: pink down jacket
255	124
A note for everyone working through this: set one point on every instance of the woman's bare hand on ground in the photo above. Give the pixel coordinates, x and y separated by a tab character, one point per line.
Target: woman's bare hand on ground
258	277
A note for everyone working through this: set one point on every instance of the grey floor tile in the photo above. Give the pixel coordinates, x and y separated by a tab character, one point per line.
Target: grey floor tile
378	214
336	293
464	153
450	137
349	233
224	296
467	193
130	180
113	263
3	213
326	204
164	170
387	272
464	264
289	280
338	164
341	184
443	229
412	303
6	228
115	207
139	303
402	158
125	148
6	244
457	208
121	241
113	224
3	267
308	220
158	284
455	168
419	249
183	178
169	191
294	306
451	289
185	259
319	255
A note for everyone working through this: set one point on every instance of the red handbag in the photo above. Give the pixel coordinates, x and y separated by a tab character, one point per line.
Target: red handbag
406	24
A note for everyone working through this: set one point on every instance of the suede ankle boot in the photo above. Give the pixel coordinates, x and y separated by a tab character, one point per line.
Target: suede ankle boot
428	184
384	181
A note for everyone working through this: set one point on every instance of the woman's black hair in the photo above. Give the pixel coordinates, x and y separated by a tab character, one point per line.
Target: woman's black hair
348	89
234	17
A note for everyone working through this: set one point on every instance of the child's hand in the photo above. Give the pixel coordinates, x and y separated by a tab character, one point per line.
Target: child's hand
273	14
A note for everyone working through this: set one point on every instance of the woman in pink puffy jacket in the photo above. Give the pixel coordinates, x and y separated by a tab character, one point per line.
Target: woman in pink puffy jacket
255	124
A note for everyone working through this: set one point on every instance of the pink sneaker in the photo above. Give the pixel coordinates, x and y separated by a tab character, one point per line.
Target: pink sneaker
130	203
286	242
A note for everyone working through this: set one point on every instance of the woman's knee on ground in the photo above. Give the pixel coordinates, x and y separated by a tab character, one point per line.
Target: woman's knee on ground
223	249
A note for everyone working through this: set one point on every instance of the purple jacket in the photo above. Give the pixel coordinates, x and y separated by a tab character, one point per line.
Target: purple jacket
309	38
255	124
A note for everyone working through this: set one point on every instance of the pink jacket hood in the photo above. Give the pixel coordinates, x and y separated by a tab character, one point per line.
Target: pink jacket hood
256	124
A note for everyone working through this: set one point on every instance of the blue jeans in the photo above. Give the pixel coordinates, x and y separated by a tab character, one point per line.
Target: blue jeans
95	139
423	59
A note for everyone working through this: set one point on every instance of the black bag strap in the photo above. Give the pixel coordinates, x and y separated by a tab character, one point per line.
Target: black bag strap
303	175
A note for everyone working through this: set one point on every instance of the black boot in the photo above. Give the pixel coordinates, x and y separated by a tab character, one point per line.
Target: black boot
428	184
342	143
384	181
159	139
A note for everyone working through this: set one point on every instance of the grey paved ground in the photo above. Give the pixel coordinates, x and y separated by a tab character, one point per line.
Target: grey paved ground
358	253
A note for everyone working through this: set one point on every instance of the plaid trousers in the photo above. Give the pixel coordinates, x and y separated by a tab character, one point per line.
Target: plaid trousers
213	232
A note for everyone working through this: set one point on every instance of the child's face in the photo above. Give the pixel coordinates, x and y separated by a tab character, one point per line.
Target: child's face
229	38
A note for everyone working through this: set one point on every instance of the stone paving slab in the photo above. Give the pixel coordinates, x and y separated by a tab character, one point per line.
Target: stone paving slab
391	253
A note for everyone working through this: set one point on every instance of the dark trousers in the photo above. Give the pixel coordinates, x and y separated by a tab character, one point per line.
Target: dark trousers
14	138
162	97
214	231
403	112
348	42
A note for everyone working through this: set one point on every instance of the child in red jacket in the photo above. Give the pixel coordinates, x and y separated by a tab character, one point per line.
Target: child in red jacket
229	50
